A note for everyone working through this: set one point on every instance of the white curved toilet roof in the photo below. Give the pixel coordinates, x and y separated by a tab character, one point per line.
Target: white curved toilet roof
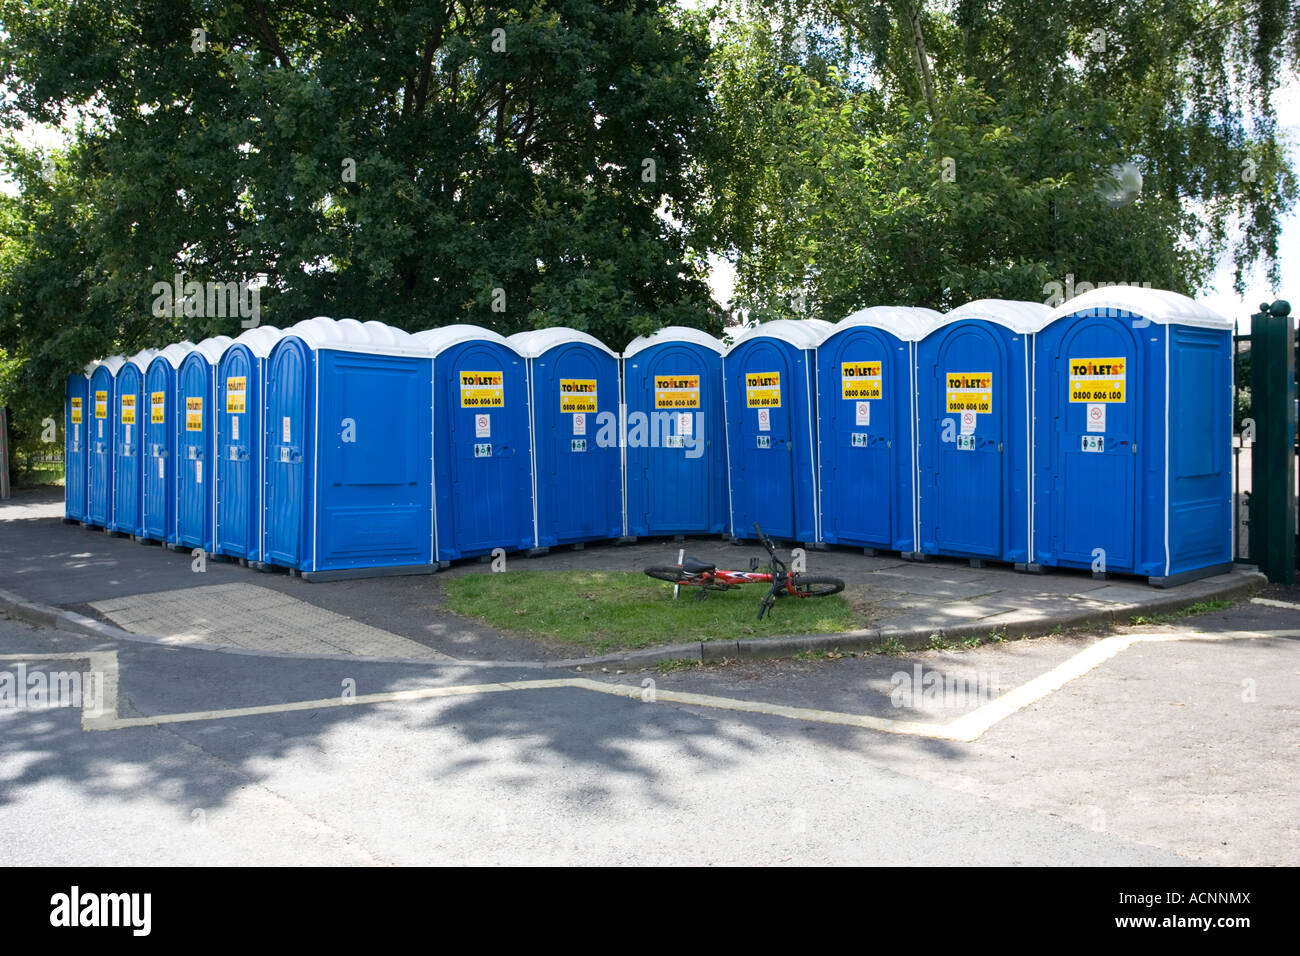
260	340
673	333
142	358
173	354
534	343
1024	317
906	322
1158	305
438	340
349	335
112	363
801	333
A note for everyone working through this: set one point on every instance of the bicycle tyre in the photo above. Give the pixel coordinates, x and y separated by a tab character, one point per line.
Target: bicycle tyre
672	575
813	585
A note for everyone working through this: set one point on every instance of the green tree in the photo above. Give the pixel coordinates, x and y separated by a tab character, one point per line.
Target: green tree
420	163
929	154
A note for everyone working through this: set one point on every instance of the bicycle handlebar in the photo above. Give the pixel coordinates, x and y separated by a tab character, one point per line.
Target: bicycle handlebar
778	573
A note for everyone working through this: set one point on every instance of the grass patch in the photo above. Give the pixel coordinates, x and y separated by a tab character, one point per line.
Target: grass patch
1200	607
609	610
675	664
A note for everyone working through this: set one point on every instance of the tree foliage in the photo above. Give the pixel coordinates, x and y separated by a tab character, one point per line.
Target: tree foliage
413	162
931	153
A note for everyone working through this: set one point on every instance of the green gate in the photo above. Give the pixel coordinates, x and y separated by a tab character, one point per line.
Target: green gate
1266	436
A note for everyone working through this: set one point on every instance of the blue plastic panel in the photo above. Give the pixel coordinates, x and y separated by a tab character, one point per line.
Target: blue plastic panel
128	462
771	445
865	399
973	432
99	445
484	478
76	418
289	498
239	454
676	466
578	462
1091	373
374	484
194	451
159	431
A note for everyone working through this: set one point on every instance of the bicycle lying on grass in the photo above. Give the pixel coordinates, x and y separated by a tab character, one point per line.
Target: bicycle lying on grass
709	577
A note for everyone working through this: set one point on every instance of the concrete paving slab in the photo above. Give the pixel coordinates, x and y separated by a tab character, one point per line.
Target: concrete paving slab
256	618
1120	594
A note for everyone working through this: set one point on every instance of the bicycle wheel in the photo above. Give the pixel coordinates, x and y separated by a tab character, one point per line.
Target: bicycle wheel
813	585
672	575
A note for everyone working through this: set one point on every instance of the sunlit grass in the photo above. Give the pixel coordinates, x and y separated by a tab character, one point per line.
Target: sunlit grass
605	610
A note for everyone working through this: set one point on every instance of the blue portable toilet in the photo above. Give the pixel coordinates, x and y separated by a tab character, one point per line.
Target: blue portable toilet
1133	436
975	408
867	466
349	451
158	426
577	460
128	462
196	382
99	442
75	421
675	452
240	524
770	391
483	496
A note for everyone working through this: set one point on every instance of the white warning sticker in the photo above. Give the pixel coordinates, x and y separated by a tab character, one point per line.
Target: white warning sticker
1096	417
863	416
482	425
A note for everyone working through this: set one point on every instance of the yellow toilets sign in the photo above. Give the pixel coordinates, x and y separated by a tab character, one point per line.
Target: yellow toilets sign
677	391
194	414
482	390
577	395
970	392
235	391
128	409
860	380
101	404
1097	380
763	389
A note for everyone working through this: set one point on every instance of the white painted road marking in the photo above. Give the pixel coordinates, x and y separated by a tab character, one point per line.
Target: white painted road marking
964	729
1269	602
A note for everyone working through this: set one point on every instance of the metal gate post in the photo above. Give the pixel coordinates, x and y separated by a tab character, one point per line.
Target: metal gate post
1273	469
4	454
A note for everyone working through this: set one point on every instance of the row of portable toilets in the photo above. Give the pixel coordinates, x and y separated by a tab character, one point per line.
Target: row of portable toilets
1096	435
